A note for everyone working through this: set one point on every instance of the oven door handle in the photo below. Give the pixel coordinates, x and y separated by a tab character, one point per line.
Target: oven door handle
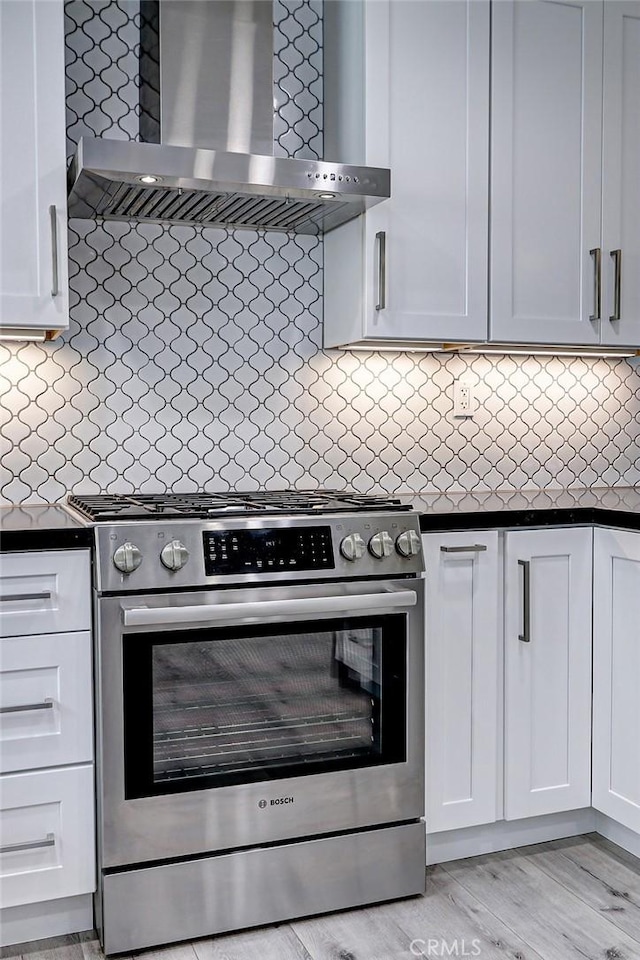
248	610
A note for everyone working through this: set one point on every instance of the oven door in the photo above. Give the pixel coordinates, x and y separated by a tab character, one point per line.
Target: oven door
242	717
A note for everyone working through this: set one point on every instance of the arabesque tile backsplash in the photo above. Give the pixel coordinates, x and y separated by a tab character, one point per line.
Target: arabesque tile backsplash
193	359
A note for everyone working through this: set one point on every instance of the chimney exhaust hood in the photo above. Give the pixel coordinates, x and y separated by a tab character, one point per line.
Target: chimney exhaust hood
206	122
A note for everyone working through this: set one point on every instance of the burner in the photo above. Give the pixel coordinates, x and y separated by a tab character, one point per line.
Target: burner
184	506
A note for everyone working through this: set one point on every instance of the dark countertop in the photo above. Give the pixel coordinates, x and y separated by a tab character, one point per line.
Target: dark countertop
41	527
611	506
51	527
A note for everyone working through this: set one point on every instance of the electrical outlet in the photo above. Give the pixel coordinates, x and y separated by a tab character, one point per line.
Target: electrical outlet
463	398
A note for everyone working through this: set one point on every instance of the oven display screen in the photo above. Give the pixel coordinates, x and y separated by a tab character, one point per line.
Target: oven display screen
267	551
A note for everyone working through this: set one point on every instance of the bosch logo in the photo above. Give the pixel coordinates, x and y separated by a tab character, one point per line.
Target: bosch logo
276	802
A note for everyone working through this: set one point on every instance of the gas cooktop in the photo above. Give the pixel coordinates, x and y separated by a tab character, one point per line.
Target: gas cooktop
192	506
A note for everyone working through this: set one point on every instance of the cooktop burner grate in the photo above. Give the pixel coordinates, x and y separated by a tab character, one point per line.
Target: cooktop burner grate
176	506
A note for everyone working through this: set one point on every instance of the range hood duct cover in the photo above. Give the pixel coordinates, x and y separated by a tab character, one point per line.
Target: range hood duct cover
212	64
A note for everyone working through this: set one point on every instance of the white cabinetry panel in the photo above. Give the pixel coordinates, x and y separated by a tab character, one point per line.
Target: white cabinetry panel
548	581
438	136
426	79
45	701
616	704
545	170
462	643
44	592
33	166
620	174
47	831
563	185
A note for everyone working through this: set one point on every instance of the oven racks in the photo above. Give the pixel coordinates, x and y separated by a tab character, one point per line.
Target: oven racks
240	746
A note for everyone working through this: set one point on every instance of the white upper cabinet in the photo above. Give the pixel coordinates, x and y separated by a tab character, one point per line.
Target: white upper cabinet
546	171
565	191
415	266
547	630
33	194
616	676
621	174
523	252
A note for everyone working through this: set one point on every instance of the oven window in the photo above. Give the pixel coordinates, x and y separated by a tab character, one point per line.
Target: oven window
214	707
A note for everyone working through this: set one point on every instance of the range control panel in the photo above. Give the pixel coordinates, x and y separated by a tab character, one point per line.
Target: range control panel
176	554
270	550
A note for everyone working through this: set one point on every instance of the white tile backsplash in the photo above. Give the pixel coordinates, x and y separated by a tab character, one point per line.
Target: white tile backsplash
193	358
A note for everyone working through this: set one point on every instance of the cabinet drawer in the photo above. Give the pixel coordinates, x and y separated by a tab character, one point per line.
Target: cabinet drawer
45	701
46	592
46	835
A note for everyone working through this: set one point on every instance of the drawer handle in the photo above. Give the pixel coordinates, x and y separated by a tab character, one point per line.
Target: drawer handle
45	705
48	841
472	548
13	597
381	244
596	253
525	636
55	282
616	255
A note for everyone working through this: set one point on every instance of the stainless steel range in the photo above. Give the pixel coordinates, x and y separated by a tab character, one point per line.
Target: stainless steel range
260	709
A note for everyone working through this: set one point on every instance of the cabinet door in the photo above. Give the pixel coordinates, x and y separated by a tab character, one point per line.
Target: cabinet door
545	170
620	174
33	196
462	641
616	678
44	591
547	671
45	701
426	76
48	835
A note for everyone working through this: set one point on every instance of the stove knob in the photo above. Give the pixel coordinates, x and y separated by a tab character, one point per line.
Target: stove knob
127	558
408	544
381	545
174	555
352	547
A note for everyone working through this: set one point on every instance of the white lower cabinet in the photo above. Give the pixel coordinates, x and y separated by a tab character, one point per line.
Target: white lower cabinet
45	701
547	627
47	793
616	663
508	654
47	835
462	629
44	591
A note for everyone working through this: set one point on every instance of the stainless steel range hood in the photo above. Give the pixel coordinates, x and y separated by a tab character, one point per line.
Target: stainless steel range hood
211	61
218	188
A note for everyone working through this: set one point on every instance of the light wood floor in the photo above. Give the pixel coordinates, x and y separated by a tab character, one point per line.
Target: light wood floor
575	899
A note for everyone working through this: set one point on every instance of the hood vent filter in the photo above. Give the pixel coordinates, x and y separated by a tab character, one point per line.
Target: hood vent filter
130	202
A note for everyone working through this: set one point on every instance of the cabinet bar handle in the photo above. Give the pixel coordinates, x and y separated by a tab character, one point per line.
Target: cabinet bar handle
381	244
23	707
525	636
55	283
48	841
617	283
472	548
13	597
596	253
